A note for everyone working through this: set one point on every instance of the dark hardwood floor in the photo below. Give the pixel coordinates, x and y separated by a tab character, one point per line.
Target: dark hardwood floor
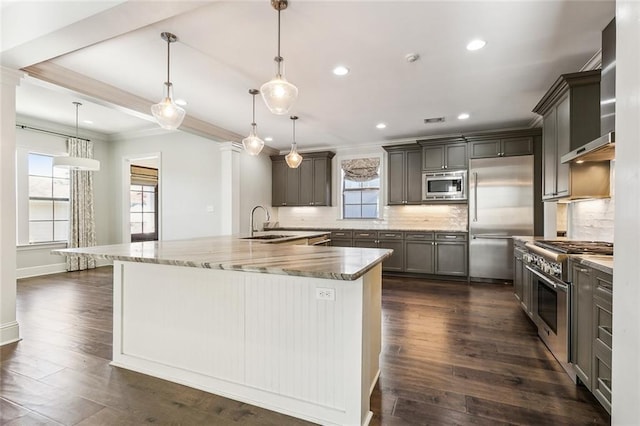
453	354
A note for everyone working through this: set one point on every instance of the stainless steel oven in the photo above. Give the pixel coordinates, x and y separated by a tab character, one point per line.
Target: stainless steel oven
444	185
553	314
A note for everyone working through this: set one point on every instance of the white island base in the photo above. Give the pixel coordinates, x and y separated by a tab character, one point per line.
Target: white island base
265	339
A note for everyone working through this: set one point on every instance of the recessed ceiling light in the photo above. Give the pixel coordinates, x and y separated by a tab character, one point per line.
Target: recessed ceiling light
380	126
463	116
87	121
181	102
341	70
268	139
476	44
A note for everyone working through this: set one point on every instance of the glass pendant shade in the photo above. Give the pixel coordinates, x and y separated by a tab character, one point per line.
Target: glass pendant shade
293	158
168	115
279	95
252	143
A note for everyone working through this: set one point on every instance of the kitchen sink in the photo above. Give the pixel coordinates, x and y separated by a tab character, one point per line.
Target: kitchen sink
267	237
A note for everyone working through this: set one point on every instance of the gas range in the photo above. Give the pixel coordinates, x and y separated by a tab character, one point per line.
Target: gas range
550	256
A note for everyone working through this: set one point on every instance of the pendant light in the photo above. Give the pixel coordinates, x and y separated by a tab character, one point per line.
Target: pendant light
293	158
278	93
166	112
252	143
76	163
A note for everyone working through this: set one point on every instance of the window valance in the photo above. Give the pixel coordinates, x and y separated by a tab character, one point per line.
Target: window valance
361	169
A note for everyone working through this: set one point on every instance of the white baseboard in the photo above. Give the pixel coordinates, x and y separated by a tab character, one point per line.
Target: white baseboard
55	268
9	333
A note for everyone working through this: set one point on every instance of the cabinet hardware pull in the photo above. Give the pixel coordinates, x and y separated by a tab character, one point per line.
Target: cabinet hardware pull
475	197
582	270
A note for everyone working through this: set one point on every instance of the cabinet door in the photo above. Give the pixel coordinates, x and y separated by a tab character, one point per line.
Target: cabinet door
394	263
451	259
419	256
413	177
433	157
321	182
306	182
365	243
278	183
517	277
292	187
341	243
602	321
456	156
516	146
549	157
582	339
396	178
484	149
563	132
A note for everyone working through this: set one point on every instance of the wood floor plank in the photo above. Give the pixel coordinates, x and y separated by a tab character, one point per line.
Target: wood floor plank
452	354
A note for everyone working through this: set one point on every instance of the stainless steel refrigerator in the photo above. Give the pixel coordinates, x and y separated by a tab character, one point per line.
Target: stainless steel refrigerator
500	206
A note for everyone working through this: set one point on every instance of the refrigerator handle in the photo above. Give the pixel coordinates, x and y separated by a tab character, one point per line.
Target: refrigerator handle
475	196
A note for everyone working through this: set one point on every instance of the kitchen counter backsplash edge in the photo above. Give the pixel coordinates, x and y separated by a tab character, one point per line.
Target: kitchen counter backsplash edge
295	228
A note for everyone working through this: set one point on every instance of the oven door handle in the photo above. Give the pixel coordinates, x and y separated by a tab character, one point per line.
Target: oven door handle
555	285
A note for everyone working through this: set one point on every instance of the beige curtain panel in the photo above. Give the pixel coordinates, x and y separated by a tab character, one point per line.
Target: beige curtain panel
82	232
361	169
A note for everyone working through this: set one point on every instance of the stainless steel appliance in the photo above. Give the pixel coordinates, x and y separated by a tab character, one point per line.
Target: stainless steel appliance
444	185
547	263
500	206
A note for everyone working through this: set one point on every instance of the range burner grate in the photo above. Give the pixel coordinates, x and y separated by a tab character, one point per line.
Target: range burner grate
577	247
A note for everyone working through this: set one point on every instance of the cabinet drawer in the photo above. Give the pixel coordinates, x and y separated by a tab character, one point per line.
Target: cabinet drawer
426	236
361	235
386	235
337	235
602	375
451	237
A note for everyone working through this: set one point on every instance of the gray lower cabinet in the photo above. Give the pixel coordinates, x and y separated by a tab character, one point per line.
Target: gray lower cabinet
592	329
419	252
439	253
518	269
394	241
342	238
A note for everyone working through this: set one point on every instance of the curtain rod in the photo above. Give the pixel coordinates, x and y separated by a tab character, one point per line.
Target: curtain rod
22	126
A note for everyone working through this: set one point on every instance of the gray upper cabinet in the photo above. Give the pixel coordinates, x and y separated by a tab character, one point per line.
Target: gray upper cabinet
308	185
404	176
571	118
444	153
501	144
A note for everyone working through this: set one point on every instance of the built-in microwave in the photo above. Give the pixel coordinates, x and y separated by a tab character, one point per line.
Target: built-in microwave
444	185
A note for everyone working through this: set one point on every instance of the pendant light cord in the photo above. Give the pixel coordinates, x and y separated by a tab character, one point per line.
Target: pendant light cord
168	59
253	123
294	133
279	58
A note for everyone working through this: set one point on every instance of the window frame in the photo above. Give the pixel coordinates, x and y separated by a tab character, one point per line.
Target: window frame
340	186
53	199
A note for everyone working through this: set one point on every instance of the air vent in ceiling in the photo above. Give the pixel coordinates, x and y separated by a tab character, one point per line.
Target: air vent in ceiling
434	120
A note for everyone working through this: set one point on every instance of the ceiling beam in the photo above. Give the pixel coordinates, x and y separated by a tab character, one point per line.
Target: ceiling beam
112	97
35	32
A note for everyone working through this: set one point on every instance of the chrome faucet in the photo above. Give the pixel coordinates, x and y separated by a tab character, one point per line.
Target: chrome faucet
251	230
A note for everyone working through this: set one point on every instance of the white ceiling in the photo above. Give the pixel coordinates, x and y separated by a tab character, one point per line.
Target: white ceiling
227	47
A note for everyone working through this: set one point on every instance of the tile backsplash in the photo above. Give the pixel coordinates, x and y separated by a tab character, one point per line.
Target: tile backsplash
591	220
451	217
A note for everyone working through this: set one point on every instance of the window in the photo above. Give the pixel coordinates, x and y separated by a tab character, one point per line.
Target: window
360	188
48	200
143	207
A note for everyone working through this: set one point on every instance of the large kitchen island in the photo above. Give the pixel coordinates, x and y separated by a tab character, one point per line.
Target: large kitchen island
291	328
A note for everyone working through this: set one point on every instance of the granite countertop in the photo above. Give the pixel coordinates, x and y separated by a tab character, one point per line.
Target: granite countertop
235	254
600	263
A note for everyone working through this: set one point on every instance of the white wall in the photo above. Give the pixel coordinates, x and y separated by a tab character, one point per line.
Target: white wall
189	183
626	287
36	259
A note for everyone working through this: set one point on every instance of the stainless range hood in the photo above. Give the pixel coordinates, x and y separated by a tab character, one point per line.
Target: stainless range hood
603	148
